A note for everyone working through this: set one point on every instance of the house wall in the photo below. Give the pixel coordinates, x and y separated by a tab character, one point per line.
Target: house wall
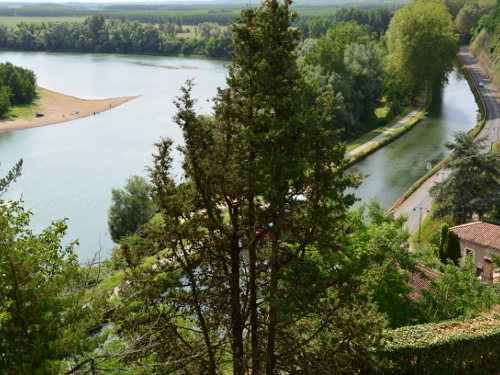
479	252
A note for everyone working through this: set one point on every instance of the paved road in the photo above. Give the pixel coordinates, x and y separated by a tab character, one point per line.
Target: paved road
419	202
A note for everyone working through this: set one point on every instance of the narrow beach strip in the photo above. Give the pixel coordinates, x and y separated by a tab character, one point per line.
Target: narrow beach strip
59	108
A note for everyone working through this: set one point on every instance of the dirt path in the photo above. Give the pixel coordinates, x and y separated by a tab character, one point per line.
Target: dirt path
410	115
60	108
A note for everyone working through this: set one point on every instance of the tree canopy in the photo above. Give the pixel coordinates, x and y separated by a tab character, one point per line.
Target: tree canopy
259	269
422	42
130	207
472	187
347	61
42	318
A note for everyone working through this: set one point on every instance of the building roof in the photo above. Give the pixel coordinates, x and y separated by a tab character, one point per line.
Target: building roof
480	233
421	280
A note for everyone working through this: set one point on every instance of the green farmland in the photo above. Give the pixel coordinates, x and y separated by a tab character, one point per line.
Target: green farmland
13	21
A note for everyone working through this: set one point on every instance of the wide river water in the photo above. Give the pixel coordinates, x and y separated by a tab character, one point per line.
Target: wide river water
70	168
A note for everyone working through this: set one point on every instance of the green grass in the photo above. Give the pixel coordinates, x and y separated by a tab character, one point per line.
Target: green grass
429	226
380	113
192	34
25	111
13	21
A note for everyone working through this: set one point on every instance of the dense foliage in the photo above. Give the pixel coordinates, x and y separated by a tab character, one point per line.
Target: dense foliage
97	35
347	61
42	318
449	246
422	42
192	14
17	85
314	27
453	347
459	293
472	187
130	207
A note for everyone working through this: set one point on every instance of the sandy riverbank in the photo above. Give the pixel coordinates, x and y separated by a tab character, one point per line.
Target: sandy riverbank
60	108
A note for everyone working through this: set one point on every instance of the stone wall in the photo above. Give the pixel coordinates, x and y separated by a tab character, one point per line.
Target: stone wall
480	253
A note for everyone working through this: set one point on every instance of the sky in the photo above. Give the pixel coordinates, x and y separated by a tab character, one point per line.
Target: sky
99	1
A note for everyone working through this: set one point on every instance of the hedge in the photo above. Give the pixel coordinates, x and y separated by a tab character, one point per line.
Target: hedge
455	347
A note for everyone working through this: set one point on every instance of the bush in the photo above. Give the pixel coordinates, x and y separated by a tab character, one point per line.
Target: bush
129	208
453	347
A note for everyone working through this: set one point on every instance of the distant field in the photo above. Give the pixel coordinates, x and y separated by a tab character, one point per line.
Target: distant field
192	33
13	21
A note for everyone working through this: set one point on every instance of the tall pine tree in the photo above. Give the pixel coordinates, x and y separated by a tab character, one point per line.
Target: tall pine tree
253	271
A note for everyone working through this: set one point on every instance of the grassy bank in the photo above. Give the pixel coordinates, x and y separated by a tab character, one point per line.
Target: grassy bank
351	145
25	111
394	135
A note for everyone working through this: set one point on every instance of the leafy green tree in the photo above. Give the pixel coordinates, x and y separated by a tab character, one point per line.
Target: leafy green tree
381	243
314	27
467	20
5	94
20	82
459	293
358	84
454	6
421	41
130	208
95	24
473	186
42	317
207	30
494	216
329	53
454	250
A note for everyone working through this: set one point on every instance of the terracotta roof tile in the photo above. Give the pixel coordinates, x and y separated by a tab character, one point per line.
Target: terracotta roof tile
479	232
419	281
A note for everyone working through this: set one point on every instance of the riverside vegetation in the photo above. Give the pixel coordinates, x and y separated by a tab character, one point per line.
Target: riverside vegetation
252	262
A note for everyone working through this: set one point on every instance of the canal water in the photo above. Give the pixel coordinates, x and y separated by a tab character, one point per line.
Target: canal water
395	167
70	168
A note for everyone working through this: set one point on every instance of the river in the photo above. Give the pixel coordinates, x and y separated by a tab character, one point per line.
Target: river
395	167
70	168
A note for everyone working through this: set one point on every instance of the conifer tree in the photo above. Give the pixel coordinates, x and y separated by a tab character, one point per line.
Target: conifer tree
253	273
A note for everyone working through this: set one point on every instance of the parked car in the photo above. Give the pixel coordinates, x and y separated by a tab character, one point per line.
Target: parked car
481	84
38	114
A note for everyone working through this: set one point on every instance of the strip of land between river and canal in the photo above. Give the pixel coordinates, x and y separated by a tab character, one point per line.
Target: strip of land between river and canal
374	144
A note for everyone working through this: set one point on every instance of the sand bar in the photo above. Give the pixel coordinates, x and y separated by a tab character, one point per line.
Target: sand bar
60	108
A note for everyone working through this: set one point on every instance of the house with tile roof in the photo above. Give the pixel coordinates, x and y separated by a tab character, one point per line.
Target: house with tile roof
479	239
421	280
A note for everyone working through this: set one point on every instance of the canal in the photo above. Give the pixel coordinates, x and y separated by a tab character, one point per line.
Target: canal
394	168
